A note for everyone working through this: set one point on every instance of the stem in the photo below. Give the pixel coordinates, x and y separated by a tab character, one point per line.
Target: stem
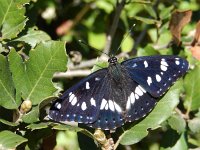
114	25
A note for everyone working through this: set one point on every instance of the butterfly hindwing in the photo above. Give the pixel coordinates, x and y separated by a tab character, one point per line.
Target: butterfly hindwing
139	102
156	73
111	113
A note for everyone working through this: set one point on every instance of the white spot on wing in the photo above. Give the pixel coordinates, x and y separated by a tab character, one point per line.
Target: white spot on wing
177	62
138	91
106	107
71	97
158	78
117	107
83	106
163	65
134	65
143	90
149	80
128	104
163	62
74	101
103	104
111	105
87	85
136	96
132	97
145	64
58	105
97	79
92	101
163	68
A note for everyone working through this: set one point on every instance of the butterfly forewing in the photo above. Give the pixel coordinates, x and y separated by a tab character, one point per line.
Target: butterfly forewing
156	73
81	102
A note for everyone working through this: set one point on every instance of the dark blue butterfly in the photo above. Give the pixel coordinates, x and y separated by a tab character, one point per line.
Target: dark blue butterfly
121	93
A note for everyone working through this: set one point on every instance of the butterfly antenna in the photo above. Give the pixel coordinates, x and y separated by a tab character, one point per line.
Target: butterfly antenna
92	47
127	34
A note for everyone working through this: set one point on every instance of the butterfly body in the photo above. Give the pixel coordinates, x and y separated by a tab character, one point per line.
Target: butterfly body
121	93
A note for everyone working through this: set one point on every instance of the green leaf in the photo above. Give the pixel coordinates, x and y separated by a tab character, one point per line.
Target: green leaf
173	142
7	94
154	119
73	128
147	20
166	12
35	75
192	86
13	124
12	19
97	40
177	123
17	69
105	5
32	116
141	1
34	37
194	125
10	140
147	51
127	44
150	10
38	126
67	127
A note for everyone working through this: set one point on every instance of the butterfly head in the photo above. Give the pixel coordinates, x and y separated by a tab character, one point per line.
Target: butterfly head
112	60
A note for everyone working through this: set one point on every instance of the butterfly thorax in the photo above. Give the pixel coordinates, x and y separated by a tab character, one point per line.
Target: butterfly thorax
115	69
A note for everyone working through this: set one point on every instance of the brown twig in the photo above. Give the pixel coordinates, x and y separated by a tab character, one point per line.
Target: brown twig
109	38
72	73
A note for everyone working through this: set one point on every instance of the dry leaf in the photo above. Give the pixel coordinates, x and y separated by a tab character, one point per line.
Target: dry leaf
178	20
64	27
195	52
196	40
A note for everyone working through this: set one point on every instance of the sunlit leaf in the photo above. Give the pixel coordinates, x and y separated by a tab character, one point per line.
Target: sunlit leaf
127	44
35	77
10	140
194	125
9	123
34	37
192	86
12	19
177	123
97	40
38	126
147	20
7	94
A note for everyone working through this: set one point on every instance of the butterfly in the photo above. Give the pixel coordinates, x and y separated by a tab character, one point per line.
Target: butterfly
123	92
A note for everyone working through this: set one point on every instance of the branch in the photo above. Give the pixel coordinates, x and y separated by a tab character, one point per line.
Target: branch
72	73
114	25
